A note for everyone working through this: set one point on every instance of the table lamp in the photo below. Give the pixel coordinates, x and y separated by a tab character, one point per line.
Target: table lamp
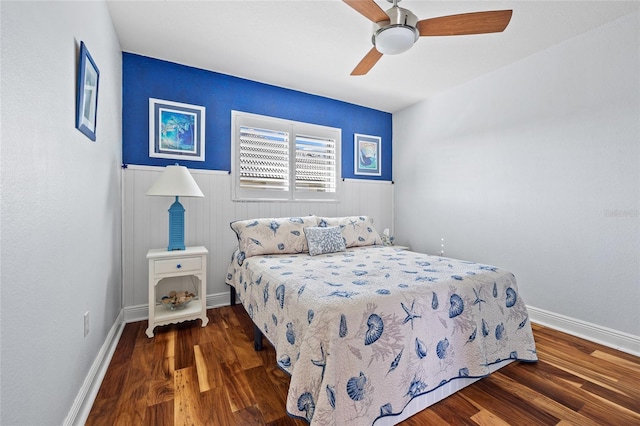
176	181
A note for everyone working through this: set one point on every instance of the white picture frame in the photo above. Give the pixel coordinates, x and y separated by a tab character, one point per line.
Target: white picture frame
176	130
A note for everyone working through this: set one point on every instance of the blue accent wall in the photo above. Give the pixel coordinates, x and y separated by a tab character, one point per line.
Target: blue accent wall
145	78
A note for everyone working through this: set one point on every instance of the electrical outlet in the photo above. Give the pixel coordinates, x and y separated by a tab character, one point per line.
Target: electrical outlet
86	323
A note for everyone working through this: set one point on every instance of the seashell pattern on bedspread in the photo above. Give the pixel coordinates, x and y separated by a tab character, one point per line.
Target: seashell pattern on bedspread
362	332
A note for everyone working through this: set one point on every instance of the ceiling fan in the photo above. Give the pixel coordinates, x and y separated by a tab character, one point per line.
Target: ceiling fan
397	29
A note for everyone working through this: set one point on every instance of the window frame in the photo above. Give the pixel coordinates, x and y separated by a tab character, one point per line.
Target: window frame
293	128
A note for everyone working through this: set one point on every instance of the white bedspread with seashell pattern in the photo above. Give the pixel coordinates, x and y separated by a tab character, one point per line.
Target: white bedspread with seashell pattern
362	332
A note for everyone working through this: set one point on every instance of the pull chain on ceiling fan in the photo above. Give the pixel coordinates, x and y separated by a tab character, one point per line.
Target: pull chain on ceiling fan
397	29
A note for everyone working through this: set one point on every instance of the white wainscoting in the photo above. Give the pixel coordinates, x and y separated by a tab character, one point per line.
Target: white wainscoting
146	221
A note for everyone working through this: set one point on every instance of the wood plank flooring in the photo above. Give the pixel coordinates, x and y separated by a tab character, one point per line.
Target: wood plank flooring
189	375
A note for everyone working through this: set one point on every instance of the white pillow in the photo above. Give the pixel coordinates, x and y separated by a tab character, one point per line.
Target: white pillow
356	230
272	235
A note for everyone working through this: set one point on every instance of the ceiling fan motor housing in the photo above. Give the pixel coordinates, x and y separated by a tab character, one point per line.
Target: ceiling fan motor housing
397	34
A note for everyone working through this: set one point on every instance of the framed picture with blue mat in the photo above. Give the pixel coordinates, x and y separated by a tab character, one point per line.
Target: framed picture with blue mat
367	161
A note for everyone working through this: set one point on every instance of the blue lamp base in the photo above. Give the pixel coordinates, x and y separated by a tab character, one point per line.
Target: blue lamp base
176	226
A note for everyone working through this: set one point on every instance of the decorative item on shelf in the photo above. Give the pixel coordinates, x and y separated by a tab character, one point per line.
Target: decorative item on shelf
177	299
386	238
176	181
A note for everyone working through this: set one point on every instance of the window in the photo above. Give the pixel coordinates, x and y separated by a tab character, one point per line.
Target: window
276	159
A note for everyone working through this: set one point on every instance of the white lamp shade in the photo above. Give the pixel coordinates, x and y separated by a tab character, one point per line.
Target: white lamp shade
175	181
394	40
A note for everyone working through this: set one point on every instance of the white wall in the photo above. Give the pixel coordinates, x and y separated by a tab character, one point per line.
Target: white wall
207	223
536	168
61	206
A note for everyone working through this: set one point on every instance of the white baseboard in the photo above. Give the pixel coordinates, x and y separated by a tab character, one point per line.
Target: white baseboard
83	402
141	312
595	333
136	313
217	300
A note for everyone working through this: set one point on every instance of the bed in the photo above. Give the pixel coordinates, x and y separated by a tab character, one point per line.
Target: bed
371	333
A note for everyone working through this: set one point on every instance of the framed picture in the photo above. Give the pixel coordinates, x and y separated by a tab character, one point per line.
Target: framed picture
366	155
87	94
176	130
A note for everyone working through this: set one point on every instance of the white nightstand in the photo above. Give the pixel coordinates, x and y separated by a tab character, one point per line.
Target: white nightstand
177	263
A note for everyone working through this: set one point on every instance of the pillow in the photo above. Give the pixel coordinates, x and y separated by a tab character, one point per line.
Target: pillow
272	235
356	230
323	240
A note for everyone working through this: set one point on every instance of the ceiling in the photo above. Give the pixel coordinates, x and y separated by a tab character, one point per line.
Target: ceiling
312	46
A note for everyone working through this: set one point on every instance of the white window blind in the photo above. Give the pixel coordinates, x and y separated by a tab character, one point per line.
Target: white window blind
276	159
315	164
264	159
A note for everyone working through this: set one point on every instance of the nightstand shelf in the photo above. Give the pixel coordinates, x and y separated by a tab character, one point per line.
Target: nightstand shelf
164	316
190	262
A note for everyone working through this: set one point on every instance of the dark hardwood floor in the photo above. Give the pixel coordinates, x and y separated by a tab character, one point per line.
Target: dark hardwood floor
189	375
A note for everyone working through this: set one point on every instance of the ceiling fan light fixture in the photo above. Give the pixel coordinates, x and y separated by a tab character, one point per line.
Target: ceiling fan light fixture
398	34
394	39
